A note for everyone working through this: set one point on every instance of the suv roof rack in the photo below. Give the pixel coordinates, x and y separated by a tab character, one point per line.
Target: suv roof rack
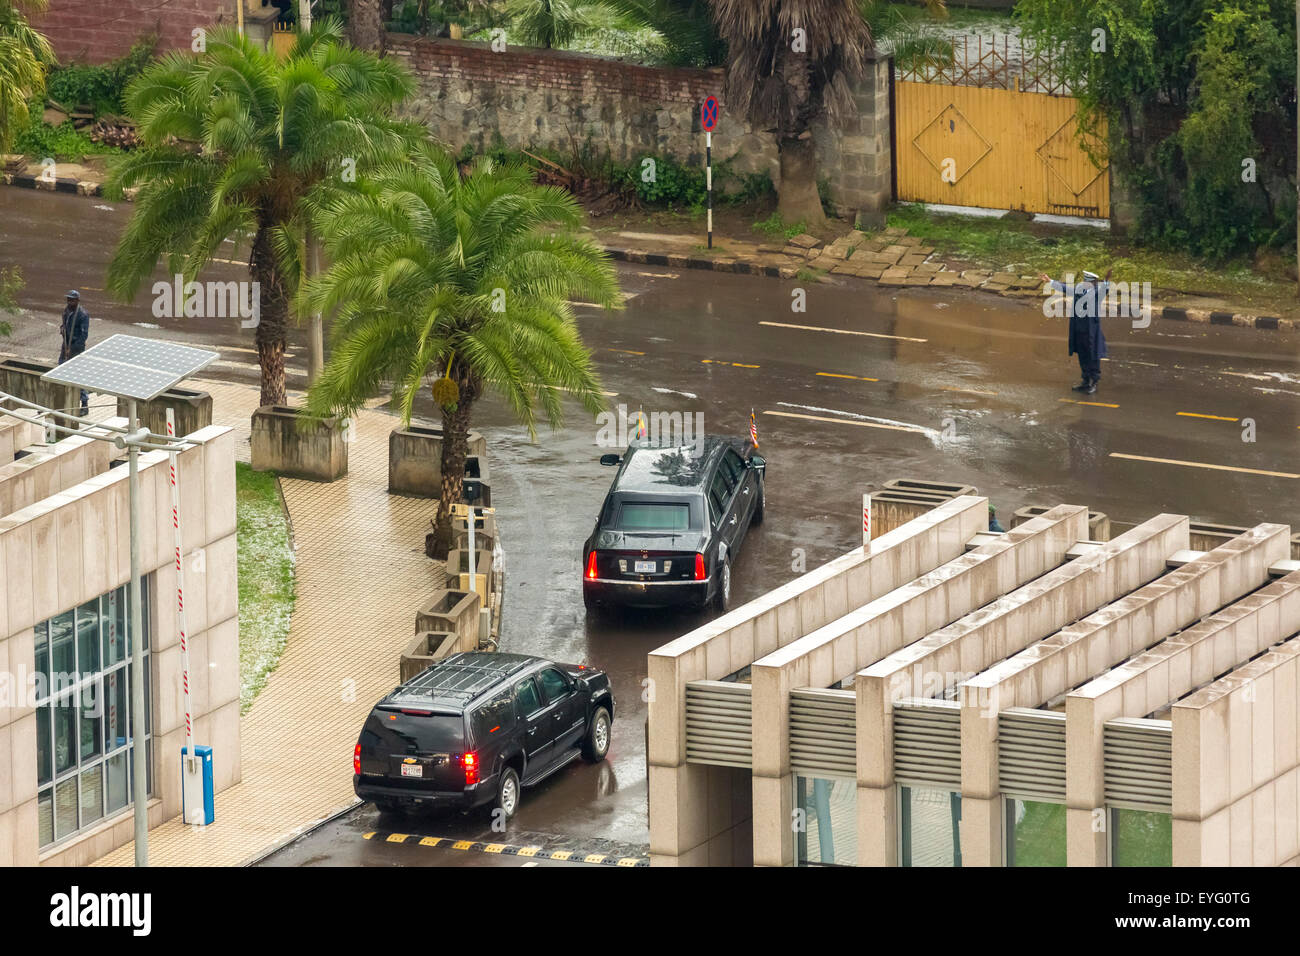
462	677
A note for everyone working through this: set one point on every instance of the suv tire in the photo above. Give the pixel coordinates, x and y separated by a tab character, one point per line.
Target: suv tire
507	798
596	744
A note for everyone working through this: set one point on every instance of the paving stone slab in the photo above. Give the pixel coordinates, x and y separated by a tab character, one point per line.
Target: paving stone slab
912	259
916	280
944	278
909	241
925	268
805	241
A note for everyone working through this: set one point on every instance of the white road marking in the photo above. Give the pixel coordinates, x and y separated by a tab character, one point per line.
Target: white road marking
818	328
673	391
853	418
1202	464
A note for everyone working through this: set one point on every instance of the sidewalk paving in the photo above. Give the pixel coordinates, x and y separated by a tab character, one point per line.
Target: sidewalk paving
361	575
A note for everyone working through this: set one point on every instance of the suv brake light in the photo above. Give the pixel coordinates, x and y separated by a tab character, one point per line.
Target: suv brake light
591	565
699	567
356	760
470	762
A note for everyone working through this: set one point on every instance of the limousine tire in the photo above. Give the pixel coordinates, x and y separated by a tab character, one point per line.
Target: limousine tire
722	597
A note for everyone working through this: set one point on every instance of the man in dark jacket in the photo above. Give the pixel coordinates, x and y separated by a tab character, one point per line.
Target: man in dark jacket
75	329
1088	304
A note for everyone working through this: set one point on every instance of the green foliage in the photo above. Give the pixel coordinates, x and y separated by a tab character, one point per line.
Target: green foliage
1190	91
11	283
25	57
547	23
906	31
774	227
62	142
266	579
103	87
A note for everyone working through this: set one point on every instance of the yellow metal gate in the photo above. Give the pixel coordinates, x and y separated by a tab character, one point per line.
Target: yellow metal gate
999	148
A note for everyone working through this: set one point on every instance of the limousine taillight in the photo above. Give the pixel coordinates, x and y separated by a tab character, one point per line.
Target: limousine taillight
699	567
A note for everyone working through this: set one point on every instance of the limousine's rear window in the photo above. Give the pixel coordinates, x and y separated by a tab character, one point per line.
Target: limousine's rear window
654	516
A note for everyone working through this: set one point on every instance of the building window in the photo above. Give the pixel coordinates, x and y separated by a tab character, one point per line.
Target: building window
929	827
1035	833
828	834
84	725
1141	838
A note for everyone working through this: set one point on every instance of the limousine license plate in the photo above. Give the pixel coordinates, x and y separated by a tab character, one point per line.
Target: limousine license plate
412	770
646	567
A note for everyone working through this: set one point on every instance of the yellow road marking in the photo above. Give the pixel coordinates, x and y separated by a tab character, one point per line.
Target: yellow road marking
594	858
626	351
398	837
858	378
1217	418
494	848
1073	401
721	362
846	421
529	851
430	841
462	844
818	328
1202	464
561	854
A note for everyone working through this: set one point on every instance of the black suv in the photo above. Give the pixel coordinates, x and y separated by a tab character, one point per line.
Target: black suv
474	728
672	524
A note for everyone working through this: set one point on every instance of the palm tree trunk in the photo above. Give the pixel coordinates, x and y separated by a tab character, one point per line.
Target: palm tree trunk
366	25
797	198
455	447
273	318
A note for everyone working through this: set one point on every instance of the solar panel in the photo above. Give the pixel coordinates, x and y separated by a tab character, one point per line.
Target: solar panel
131	367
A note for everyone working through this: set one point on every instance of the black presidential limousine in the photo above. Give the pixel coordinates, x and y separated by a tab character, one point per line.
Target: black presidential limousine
673	523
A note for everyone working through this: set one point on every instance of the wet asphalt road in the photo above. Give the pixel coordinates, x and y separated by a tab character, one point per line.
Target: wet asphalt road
865	385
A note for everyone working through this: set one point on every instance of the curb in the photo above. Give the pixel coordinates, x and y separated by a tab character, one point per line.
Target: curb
745	267
298	834
511	849
61	184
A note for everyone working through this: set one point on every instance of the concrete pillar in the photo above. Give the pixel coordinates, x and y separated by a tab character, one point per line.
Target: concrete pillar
877	810
981	802
774	820
773	782
877	826
1085	842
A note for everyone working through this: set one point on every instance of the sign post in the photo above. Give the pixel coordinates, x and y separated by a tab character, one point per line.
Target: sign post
709	120
866	521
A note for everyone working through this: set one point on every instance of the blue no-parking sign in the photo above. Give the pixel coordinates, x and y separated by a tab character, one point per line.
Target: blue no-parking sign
709	114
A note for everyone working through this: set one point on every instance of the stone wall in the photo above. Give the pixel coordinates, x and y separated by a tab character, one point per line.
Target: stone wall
560	100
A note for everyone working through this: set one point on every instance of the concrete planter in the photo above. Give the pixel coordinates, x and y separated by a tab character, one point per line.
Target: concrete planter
1205	536
281	442
428	648
485	532
193	411
458	571
23	379
415	459
453	611
899	500
1098	522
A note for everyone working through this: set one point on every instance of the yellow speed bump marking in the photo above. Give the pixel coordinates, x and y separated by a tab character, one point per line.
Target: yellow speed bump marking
1202	464
856	378
398	837
594	858
367	836
1074	401
430	841
561	854
494	848
462	844
529	851
628	861
818	328
847	421
1217	418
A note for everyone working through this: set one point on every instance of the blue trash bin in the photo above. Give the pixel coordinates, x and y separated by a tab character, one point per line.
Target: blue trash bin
204	754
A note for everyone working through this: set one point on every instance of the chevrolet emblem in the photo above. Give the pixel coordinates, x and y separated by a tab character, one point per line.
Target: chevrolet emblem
409	760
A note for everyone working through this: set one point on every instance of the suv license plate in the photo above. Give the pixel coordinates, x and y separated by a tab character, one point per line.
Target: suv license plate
646	567
412	770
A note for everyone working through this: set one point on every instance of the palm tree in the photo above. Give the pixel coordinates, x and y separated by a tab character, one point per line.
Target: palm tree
464	279
25	56
783	81
234	143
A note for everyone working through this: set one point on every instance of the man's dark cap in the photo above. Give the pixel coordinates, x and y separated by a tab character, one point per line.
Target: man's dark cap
73	294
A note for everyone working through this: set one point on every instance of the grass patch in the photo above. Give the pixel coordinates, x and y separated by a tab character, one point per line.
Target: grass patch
774	227
1029	248
266	580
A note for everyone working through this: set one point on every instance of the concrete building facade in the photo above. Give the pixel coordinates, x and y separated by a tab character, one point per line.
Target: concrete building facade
65	720
951	697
